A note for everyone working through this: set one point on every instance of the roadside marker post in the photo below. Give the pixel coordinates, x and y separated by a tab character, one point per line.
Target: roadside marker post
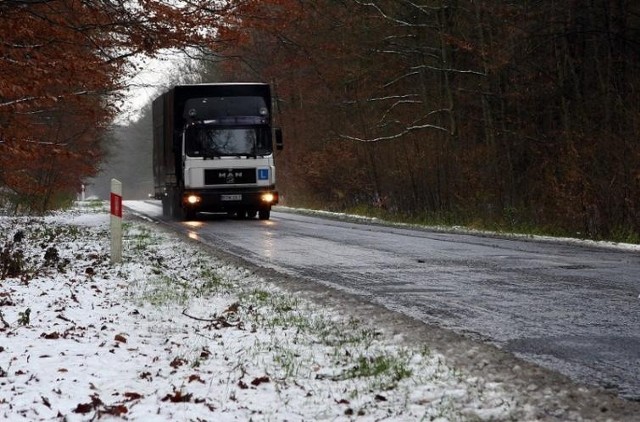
116	221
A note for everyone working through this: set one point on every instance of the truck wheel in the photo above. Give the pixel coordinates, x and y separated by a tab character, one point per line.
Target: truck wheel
177	211
170	205
166	207
264	213
252	214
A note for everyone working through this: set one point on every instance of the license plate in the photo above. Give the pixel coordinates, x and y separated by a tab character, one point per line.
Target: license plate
231	197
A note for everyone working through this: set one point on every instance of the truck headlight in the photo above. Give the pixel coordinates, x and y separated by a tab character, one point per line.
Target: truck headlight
268	197
192	199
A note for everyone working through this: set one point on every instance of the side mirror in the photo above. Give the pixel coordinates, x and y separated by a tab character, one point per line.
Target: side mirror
279	143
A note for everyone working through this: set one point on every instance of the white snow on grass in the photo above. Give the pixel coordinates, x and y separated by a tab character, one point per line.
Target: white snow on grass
464	230
175	334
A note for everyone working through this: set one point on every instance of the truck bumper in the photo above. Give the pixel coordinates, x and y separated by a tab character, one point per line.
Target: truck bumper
229	200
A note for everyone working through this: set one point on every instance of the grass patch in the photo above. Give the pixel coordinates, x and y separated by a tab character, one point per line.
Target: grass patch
392	367
163	290
56	233
92	205
138	238
511	220
209	282
344	343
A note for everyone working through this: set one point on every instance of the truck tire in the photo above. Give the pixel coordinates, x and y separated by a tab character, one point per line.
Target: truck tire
166	206
170	205
176	205
264	213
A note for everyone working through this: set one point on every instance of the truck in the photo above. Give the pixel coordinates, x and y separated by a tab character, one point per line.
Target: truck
213	150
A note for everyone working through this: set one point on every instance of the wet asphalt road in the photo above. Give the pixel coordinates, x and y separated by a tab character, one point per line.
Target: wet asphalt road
573	309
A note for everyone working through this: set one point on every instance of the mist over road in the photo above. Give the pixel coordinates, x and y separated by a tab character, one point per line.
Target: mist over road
571	308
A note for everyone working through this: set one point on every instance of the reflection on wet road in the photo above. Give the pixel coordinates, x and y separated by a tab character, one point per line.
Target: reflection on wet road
571	308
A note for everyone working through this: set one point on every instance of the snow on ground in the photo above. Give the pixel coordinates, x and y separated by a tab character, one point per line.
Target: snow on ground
173	334
466	230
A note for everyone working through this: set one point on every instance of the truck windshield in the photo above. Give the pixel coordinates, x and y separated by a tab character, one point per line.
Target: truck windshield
209	142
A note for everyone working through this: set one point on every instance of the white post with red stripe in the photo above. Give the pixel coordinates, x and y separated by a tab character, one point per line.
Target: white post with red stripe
116	221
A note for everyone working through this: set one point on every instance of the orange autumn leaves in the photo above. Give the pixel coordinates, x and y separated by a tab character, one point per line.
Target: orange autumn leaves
62	63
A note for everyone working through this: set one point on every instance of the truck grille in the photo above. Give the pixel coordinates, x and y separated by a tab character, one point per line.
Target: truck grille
229	176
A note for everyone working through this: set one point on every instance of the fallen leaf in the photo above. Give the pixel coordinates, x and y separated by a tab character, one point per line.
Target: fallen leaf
232	309
260	380
130	396
177	397
51	336
120	338
196	377
83	408
380	397
177	362
116	410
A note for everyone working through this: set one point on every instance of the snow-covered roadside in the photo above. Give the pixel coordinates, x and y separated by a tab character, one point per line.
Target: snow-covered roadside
175	334
464	230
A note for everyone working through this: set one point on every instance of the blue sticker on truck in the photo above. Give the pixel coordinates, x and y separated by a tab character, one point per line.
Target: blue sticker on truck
263	174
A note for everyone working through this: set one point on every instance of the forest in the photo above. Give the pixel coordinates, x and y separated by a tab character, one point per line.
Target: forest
509	115
64	72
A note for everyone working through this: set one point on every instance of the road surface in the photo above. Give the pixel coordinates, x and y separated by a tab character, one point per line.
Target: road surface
571	308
